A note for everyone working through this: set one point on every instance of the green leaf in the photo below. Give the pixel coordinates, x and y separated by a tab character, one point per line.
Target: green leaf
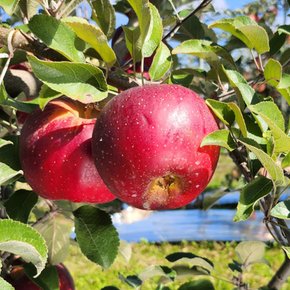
284	87
29	8
46	95
132	280
284	29
104	14
56	232
197	285
161	62
93	36
4	285
286	161
251	252
150	24
250	195
191	259
125	250
222	111
4	142
287	251
244	92
240	85
23	240
47	280
56	35
20	204
271	114
97	237
79	81
203	49
281	210
133	42
239	118
153	271
8	175
5	100
10	7
273	169
247	30
221	138
273	72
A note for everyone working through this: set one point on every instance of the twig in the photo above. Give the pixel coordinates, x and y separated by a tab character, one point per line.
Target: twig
171	33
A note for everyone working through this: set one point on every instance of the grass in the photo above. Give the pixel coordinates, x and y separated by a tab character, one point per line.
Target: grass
89	276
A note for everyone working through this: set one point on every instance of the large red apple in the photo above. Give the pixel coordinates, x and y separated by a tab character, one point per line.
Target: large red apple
24	283
55	153
146	146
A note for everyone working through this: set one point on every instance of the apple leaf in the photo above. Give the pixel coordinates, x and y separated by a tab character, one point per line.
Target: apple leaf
20	239
247	30
79	81
5	100
239	118
97	237
47	280
56	232
222	111
20	204
251	252
150	24
57	36
133	42
93	36
9	7
250	195
4	285
284	87
197	285
271	114
284	29
161	62
154	271
203	49
221	138
125	250
273	72
286	161
244	92
273	169
104	14
131	280
46	95
281	210
4	142
185	271
8	175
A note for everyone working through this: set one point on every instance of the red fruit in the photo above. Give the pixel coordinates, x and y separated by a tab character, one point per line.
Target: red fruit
146	146
65	281
55	153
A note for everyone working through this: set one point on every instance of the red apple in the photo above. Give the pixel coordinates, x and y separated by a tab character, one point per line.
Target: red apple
146	146
55	153
22	282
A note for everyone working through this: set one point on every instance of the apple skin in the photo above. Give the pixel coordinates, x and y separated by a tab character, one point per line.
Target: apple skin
55	154
65	280
146	146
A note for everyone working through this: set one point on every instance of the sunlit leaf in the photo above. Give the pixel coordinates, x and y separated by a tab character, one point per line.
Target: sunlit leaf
221	138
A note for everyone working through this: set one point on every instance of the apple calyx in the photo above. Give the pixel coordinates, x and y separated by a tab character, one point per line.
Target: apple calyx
162	189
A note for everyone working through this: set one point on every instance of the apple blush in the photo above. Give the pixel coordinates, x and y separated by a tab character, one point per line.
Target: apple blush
55	153
146	146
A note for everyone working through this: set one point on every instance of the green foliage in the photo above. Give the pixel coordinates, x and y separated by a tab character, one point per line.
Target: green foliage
73	56
23	240
97	237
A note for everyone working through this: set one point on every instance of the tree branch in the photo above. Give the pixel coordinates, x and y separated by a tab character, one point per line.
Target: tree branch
280	276
202	5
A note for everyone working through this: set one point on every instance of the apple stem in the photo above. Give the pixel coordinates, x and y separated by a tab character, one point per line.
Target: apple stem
142	70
